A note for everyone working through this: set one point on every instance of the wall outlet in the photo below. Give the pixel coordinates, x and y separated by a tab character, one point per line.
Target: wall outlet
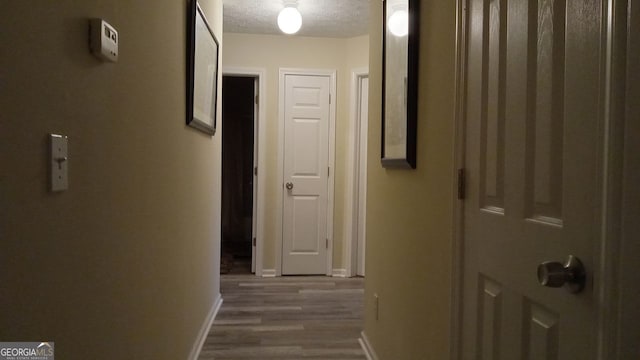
376	306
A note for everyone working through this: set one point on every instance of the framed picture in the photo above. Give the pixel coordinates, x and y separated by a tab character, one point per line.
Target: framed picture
399	83
202	71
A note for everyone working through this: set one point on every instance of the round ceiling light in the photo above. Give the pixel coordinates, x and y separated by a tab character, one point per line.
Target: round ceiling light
399	23
289	20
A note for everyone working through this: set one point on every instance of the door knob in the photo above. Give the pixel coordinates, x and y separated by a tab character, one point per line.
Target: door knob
289	186
571	274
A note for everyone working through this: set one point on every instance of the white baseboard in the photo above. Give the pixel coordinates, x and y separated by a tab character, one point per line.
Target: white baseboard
268	272
366	347
339	273
204	330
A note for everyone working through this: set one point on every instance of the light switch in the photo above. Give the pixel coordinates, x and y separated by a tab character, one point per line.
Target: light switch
59	162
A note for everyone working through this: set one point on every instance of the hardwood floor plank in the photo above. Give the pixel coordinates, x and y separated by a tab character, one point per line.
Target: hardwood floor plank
297	317
238	321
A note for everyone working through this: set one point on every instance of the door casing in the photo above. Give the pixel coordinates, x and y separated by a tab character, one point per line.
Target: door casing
354	189
260	138
331	73
611	154
625	129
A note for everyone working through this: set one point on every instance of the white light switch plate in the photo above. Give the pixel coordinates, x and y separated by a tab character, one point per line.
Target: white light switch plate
59	162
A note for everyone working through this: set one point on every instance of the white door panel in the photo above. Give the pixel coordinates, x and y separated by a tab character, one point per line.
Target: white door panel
306	159
306	211
532	128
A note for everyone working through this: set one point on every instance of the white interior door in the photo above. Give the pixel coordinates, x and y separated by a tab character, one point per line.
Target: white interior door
306	165
533	173
363	121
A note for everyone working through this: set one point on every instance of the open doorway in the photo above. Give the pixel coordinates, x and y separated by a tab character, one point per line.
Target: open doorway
238	174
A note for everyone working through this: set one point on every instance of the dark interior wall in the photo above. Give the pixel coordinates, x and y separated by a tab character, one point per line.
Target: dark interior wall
237	164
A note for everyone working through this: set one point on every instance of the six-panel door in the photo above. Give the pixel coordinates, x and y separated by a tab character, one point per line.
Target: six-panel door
532	125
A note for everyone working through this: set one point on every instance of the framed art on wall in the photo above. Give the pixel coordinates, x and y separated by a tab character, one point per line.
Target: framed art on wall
202	71
399	83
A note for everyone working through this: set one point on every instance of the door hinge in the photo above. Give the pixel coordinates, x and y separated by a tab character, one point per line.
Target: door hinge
462	184
328	171
255	170
254	241
326	244
257	97
329	98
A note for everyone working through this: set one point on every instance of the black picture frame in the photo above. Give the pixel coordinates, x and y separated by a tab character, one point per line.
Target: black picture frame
400	113
202	71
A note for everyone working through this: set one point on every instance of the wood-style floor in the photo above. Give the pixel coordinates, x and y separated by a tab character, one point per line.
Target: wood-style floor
287	318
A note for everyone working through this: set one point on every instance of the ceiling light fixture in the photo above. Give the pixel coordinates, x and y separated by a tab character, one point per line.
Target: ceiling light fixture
289	19
399	23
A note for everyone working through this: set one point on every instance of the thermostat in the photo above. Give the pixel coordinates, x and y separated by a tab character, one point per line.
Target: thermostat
103	40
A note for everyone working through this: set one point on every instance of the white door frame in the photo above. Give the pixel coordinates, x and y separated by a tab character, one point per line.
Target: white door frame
353	189
457	246
621	314
611	154
331	73
260	142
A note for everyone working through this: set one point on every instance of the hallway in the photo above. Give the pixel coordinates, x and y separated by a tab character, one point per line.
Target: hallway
287	318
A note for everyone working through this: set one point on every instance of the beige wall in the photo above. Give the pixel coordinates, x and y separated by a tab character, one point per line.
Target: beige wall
409	212
124	264
272	52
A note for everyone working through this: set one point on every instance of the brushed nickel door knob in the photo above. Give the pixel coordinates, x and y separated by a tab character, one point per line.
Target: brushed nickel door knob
571	274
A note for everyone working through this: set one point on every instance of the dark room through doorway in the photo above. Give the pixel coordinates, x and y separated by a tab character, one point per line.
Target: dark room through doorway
238	175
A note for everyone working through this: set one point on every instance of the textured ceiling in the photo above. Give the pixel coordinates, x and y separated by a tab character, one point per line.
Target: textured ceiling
320	18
